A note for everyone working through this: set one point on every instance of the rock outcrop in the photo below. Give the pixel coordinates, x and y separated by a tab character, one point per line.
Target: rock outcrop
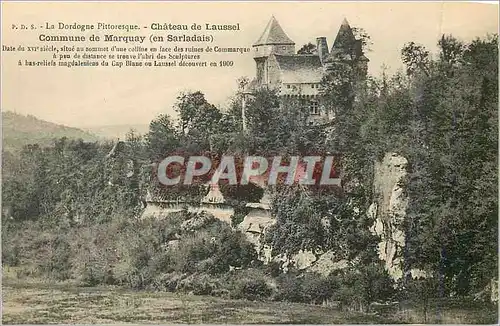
254	226
389	211
327	263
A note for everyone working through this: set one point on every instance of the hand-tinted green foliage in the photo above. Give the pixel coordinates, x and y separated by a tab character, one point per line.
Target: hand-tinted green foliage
127	252
198	120
72	181
162	138
277	129
353	288
319	222
441	116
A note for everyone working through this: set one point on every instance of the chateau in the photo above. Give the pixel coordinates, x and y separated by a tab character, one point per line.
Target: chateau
298	75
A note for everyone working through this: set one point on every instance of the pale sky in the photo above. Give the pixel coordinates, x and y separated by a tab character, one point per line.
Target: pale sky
87	96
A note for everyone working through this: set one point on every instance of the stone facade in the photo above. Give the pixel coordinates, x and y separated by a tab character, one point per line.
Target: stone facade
299	76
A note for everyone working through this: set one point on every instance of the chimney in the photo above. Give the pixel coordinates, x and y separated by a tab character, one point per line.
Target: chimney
322	48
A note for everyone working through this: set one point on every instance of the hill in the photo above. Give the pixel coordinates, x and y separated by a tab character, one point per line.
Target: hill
117	131
19	130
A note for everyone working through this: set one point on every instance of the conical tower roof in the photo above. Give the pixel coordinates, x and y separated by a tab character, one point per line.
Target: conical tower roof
345	37
274	34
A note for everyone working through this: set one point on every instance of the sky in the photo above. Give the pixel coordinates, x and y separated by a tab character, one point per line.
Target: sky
85	97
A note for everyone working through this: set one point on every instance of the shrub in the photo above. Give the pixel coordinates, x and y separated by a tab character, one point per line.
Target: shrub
10	254
289	288
316	289
362	285
253	290
93	254
11	249
134	253
273	269
250	284
191	249
58	264
237	218
167	282
213	250
199	284
233	249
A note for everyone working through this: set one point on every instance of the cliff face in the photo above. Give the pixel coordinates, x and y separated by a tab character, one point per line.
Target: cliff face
389	210
254	226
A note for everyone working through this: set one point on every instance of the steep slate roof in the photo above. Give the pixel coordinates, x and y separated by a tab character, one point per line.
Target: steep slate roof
300	68
345	36
346	44
274	34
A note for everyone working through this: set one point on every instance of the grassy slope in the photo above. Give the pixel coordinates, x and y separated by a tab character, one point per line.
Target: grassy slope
33	301
44	304
19	130
36	301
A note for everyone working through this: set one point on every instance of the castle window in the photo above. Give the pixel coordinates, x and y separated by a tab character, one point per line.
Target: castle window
283	48
314	107
288	86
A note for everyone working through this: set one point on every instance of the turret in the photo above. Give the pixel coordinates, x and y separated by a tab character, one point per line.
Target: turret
272	41
345	42
346	48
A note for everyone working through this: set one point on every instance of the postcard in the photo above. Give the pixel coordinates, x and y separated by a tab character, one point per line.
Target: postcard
249	162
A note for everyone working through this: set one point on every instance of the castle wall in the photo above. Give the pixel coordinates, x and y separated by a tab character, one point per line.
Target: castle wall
261	70
300	89
273	71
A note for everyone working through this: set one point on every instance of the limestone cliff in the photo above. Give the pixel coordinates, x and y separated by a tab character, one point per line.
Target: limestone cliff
254	226
389	210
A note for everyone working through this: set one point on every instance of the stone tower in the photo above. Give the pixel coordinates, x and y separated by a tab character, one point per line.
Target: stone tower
346	48
272	41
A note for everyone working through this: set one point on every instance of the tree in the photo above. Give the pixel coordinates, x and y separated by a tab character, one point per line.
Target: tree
416	58
308	48
451	184
198	119
318	222
162	137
